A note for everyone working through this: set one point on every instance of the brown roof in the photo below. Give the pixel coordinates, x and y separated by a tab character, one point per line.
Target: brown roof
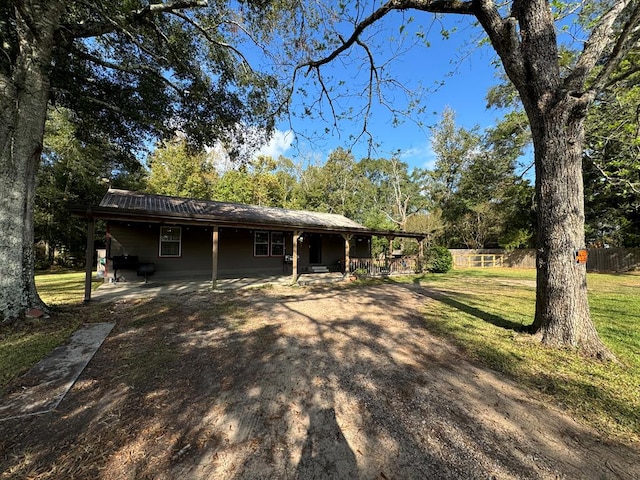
131	203
125	205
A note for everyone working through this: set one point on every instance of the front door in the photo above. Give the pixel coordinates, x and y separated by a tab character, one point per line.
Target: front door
315	249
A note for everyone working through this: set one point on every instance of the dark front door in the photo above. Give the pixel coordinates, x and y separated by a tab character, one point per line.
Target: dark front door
315	249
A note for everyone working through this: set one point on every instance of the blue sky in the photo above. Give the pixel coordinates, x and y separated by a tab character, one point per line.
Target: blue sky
466	71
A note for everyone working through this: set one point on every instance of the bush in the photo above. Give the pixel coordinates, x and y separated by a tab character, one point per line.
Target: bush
439	260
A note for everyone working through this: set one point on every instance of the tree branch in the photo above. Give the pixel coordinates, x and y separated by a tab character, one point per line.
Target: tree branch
622	76
626	42
210	39
635	187
595	46
171	6
97	27
133	69
433	6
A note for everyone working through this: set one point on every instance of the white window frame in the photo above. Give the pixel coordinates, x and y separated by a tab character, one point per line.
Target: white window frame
256	243
178	241
281	244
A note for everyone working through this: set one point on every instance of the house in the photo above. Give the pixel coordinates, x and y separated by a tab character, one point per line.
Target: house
187	238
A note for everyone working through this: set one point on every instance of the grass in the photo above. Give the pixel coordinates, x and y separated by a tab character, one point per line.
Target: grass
62	287
25	343
483	312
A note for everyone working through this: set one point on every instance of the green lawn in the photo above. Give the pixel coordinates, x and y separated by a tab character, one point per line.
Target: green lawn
482	311
23	344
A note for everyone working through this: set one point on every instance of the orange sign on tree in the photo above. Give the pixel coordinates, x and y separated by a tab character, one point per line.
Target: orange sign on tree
581	256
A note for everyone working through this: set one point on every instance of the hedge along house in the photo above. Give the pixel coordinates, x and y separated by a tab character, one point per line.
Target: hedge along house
188	238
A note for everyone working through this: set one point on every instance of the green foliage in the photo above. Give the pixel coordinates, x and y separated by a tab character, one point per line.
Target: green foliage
611	166
513	239
439	260
611	171
73	173
176	170
475	186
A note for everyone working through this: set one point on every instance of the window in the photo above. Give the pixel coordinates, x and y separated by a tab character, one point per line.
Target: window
261	244
170	241
268	244
277	244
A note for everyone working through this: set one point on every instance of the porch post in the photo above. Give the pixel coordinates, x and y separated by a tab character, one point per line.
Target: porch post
214	255
294	268
347	252
89	259
390	238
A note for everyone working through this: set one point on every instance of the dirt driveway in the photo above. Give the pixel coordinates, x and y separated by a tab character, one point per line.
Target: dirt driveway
288	383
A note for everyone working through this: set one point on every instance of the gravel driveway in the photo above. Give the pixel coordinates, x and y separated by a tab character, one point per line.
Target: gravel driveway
309	383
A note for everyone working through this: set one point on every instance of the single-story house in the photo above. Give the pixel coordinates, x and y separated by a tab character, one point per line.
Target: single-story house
187	238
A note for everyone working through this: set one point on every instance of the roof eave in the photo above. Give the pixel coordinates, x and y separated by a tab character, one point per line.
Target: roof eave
119	214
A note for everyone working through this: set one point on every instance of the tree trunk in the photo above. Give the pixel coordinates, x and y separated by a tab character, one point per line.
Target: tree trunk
562	315
23	106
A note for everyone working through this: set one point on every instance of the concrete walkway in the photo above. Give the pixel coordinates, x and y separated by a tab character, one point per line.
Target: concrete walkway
46	384
154	288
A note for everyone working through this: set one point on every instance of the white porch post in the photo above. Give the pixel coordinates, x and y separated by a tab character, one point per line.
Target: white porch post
294	268
347	252
214	255
89	259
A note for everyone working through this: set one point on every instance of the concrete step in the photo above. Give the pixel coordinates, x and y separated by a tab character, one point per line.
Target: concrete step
318	269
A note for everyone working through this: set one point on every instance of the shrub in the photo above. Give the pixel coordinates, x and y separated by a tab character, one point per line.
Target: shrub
439	260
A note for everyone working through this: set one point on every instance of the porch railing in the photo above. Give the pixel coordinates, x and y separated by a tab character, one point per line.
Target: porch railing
378	267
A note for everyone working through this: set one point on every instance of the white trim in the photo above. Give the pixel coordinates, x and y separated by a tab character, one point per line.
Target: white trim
255	243
179	242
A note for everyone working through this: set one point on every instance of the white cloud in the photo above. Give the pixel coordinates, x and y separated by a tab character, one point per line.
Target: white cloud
279	143
422	156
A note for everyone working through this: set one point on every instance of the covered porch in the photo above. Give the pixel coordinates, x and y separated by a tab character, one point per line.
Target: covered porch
228	245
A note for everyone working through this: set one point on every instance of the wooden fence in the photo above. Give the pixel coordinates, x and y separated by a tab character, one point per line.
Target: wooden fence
613	259
376	267
600	259
489	258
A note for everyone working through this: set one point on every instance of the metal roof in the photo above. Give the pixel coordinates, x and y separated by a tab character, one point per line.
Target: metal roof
128	202
125	205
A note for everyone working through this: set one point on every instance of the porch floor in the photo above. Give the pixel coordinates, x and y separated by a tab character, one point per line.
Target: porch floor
137	288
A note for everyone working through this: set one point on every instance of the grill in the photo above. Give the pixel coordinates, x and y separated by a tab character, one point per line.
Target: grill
124	262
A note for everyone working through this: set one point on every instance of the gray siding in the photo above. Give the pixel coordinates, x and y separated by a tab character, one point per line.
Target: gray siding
235	257
144	241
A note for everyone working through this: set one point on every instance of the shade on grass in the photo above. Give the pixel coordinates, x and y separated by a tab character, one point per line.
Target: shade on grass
483	312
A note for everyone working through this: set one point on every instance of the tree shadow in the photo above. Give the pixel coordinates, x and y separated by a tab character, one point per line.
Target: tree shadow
496	320
453	299
326	453
317	383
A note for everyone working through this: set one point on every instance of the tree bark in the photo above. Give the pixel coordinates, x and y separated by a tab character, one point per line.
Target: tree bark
23	104
562	315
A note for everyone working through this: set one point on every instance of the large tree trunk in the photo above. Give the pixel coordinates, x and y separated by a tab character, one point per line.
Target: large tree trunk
562	315
556	116
23	105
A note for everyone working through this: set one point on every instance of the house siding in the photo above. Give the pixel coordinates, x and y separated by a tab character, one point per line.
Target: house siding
143	240
235	255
